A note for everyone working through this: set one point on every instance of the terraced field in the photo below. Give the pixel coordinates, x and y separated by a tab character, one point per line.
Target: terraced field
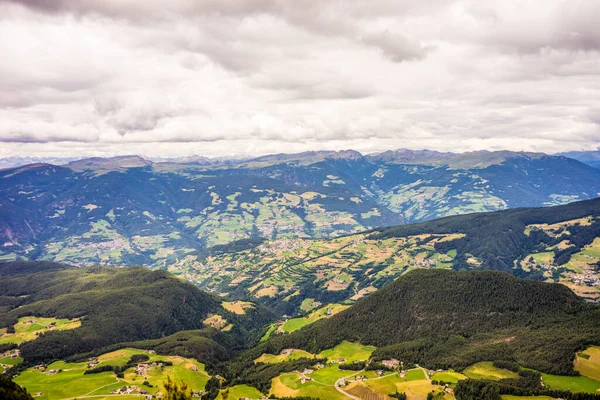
580	273
346	268
297	276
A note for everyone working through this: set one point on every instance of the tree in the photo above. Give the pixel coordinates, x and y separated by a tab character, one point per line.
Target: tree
11	391
176	391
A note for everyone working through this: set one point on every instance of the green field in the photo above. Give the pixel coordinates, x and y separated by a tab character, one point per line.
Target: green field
448	376
28	328
510	397
485	370
296	323
268	333
239	392
271	358
330	374
289	385
9	362
72	382
573	383
414	384
349	351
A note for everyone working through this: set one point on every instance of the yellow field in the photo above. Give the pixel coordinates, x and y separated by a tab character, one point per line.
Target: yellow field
237	307
485	370
589	367
349	352
414	389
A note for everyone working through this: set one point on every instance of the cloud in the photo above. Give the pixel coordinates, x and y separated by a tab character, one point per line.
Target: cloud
395	47
220	77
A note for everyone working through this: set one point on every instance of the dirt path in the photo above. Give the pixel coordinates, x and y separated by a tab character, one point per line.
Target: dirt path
425	372
342	391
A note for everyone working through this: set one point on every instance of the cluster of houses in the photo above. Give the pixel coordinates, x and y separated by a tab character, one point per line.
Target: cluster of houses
392	363
198	393
425	263
142	368
262	398
53	371
133	389
14	353
586	279
9	354
42	368
276	246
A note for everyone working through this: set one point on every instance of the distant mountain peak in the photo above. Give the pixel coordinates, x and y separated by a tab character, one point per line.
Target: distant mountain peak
99	164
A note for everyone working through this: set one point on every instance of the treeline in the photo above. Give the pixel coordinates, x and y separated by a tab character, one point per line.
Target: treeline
527	384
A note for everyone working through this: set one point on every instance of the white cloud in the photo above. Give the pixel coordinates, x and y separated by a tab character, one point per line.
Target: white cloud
100	77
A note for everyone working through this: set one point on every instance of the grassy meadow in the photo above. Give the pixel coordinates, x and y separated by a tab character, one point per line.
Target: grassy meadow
28	328
71	381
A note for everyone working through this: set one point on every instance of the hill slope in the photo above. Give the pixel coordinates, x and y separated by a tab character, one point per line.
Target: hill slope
116	306
452	319
555	244
127	210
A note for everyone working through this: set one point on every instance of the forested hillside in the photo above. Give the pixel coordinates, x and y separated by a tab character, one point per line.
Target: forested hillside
444	319
132	211
555	244
116	306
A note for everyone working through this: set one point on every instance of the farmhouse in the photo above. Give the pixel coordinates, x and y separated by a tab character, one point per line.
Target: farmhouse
287	352
305	379
194	368
307	371
142	369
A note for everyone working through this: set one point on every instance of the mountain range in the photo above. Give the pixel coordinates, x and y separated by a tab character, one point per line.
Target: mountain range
132	211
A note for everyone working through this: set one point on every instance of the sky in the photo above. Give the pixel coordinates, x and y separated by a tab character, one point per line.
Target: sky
250	77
